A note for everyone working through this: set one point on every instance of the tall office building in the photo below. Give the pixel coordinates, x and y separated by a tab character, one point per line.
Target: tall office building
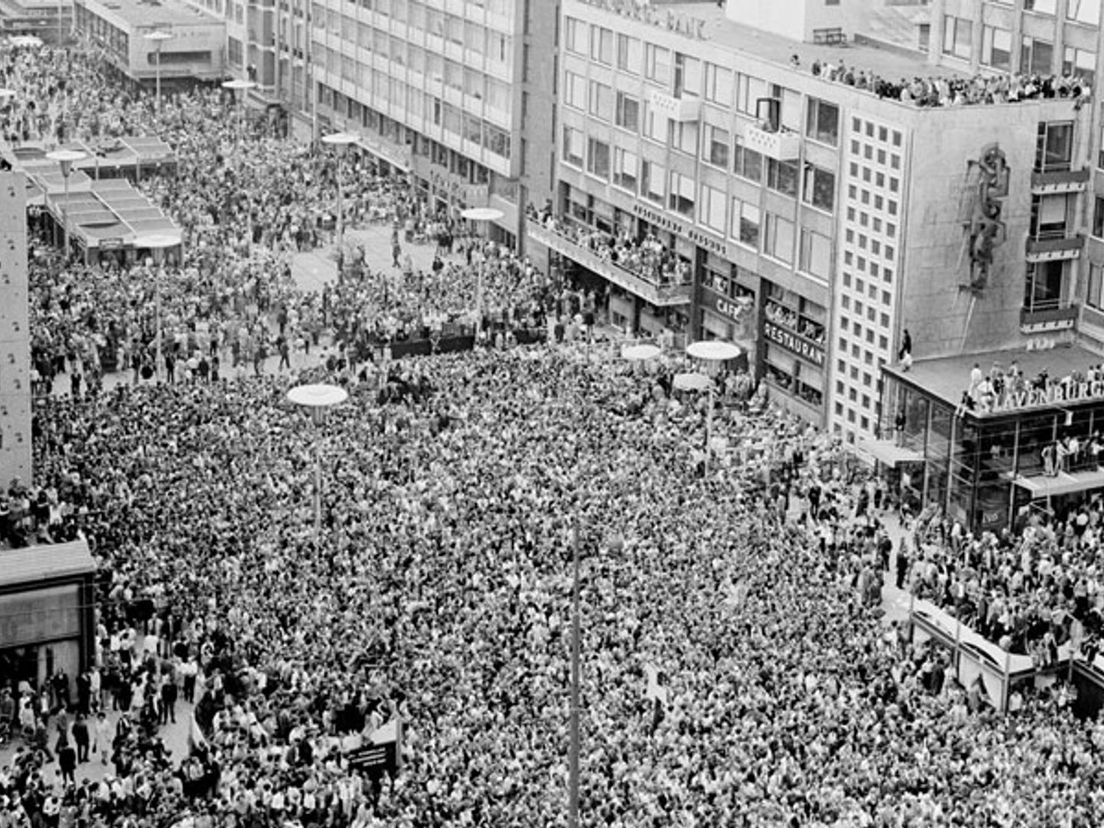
457	93
811	217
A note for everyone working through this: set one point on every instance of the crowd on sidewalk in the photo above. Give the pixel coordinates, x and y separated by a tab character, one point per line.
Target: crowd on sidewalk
735	666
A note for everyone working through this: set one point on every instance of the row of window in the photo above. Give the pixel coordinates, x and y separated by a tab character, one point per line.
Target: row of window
461	124
427	16
452	74
818	185
1080	11
688	76
1036	54
476	39
625	169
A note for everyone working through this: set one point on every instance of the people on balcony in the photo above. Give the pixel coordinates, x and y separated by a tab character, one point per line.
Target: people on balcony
647	258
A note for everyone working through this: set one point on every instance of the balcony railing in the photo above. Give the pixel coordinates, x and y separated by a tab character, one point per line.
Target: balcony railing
1050	315
781	145
1054	249
1059	182
659	294
677	109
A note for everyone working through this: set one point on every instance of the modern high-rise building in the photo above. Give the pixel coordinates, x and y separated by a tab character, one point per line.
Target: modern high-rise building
732	172
457	93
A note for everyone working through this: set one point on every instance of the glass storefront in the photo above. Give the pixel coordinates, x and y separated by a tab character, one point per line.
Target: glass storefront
983	468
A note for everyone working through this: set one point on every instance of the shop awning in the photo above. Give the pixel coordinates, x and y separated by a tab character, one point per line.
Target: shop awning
1042	485
887	452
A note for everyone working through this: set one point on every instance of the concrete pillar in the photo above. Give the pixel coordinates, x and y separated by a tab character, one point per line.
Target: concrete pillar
975	35
935	37
1059	36
1017	37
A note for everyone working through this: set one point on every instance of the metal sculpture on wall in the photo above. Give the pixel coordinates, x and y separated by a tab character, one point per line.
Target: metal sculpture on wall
986	229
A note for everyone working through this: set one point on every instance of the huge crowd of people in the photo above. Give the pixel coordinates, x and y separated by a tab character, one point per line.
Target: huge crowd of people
735	666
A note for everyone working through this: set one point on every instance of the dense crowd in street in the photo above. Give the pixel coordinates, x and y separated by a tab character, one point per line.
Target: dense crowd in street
736	669
245	202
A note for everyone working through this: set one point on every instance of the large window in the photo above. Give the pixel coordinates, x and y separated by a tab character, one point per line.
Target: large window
1078	62
747	163
625	166
575	90
1049	216
745	223
601	45
628	112
778	238
688	76
681	194
819	187
816	254
749	90
996	48
601	101
653	181
684	136
718	84
1093	297
711	208
716	146
822	121
1098	218
1043	285
657	64
1084	11
957	35
656	125
598	158
575	36
628	54
782	176
1036	56
1053	146
573	143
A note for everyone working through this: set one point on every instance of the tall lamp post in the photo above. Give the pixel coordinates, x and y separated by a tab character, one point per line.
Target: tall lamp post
340	140
317	398
157	244
483	215
713	352
239	88
158	38
66	159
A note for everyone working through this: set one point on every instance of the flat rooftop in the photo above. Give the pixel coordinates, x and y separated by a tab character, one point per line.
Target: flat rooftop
888	63
945	378
32	564
153	14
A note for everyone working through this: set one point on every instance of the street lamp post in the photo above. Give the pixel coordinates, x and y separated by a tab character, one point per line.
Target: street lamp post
158	39
317	398
483	215
714	352
157	245
576	738
66	159
340	140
